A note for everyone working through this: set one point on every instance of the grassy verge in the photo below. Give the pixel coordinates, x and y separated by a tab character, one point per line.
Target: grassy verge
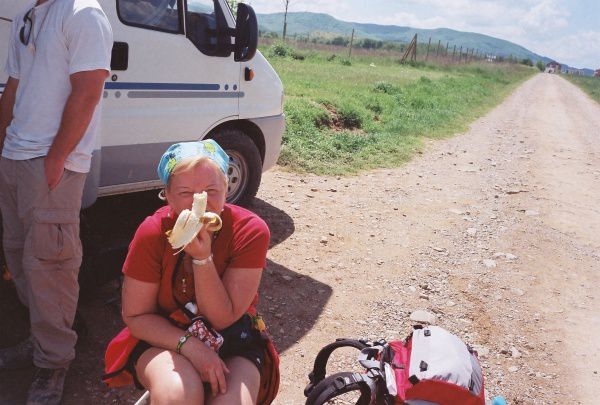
346	116
591	85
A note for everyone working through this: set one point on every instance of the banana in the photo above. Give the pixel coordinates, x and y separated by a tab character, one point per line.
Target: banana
190	222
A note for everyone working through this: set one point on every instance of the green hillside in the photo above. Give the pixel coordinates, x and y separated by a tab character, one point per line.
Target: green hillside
314	23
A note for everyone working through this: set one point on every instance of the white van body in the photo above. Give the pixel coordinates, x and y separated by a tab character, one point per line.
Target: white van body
170	89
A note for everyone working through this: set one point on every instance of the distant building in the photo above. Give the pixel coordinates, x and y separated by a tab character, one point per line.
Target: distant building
552	67
597	73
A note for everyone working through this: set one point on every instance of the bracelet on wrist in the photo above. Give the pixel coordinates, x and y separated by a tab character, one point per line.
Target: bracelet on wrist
182	341
202	262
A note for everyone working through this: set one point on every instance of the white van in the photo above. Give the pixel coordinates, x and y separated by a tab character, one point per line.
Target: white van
181	70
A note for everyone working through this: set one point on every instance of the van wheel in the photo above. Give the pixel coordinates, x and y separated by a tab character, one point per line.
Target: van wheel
245	165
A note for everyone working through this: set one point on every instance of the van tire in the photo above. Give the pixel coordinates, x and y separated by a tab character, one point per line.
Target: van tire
245	165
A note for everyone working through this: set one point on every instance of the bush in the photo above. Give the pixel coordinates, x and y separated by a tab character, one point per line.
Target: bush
540	65
331	57
298	56
280	50
346	62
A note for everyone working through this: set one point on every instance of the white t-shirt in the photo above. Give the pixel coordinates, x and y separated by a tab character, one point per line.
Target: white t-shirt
69	36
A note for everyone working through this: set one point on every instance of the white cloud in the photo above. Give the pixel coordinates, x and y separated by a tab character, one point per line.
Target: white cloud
581	49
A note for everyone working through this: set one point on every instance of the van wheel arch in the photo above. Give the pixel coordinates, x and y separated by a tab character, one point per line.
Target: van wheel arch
246	159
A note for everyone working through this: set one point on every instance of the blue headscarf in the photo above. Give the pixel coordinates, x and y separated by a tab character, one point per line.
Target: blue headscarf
183	150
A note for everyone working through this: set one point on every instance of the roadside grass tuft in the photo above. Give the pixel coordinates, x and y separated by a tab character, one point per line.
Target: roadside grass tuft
591	85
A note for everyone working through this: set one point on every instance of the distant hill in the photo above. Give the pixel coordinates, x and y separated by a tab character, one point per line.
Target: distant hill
305	22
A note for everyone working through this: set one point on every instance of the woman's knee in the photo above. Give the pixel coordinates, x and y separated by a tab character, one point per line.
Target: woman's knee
170	378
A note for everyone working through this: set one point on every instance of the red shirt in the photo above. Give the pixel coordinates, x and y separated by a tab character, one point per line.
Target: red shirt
242	242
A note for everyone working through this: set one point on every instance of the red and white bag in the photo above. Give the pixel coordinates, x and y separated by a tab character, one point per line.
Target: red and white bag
431	365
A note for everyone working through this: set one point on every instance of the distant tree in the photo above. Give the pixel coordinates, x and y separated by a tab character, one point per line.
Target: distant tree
369	43
527	62
540	65
339	41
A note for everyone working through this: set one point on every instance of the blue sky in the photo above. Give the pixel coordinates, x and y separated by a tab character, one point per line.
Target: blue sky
568	31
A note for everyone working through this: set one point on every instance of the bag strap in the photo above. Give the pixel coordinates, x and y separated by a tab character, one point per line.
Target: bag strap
319	370
341	383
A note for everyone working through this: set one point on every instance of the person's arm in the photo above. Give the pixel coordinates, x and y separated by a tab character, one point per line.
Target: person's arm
140	315
86	90
7	102
223	300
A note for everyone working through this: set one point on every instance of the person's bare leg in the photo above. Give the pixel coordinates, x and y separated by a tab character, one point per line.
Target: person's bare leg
170	378
243	383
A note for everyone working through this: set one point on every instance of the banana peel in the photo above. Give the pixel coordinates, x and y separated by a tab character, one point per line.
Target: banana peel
190	222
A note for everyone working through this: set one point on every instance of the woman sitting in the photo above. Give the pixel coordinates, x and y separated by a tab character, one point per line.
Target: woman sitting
219	272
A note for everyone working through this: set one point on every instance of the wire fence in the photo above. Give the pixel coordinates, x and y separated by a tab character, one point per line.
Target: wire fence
431	51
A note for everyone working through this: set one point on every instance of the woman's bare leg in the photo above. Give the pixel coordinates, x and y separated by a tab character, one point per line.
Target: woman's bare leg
243	383
170	378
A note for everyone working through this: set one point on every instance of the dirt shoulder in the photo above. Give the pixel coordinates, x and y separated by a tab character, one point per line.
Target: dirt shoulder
494	231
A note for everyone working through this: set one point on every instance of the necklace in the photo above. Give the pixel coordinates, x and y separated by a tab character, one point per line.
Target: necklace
33	43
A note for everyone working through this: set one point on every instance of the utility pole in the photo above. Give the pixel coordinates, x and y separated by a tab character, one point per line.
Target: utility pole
287	3
351	42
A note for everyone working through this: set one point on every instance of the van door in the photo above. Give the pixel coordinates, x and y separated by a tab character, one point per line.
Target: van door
173	87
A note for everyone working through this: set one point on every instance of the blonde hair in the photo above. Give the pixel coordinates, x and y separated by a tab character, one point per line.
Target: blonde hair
191	163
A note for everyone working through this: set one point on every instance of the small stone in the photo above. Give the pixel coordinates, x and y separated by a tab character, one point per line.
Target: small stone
423	316
515	353
323	240
482	351
472	231
287	278
424	296
438	249
489	263
510	256
412	289
531	213
513	369
450	303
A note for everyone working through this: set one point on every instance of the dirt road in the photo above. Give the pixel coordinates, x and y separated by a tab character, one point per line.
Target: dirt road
495	231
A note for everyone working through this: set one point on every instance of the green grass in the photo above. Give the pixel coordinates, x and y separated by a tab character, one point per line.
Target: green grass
346	116
591	85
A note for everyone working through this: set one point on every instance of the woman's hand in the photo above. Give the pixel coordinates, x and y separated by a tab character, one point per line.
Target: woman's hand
207	363
200	247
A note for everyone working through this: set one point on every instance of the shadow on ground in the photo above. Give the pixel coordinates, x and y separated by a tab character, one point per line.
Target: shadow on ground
290	302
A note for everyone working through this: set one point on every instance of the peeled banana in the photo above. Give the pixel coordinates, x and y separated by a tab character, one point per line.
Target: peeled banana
190	222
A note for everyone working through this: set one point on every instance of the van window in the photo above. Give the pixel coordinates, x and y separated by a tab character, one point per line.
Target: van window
161	15
201	25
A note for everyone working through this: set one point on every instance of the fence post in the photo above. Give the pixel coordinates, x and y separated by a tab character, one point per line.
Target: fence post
453	53
437	52
427	56
460	54
447	43
351	42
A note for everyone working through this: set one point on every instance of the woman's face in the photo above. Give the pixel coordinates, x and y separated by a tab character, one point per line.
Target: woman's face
203	177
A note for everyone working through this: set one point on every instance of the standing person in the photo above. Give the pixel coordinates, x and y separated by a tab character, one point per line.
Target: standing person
59	57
